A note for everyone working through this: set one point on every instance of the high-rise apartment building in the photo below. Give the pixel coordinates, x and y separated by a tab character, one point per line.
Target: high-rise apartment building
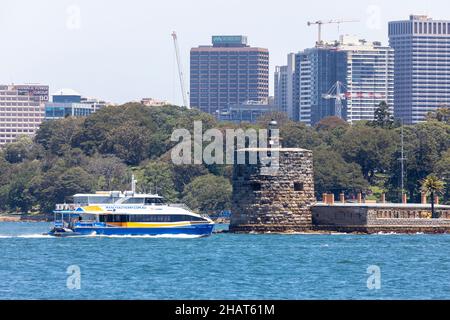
364	69
422	66
21	110
284	87
280	88
227	73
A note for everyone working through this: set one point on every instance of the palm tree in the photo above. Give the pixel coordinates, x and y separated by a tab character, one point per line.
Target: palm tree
432	185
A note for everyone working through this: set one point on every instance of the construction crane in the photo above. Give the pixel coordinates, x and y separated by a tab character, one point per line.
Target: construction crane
180	71
321	22
337	92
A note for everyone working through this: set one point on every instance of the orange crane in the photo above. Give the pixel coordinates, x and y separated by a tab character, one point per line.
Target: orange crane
319	24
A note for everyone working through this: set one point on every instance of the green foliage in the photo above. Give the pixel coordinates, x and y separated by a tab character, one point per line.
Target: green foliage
371	148
333	174
157	177
298	135
109	172
432	185
425	145
19	150
441	115
209	193
383	117
100	152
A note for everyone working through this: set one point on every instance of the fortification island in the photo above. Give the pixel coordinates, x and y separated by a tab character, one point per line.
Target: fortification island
283	201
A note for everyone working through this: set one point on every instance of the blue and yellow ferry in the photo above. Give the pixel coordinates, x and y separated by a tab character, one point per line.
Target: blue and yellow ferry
129	213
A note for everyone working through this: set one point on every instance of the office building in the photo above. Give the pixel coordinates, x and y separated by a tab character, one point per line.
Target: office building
422	66
249	111
21	110
69	103
364	71
228	72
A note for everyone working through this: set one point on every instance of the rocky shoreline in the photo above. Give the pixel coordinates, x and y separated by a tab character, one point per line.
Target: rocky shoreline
25	218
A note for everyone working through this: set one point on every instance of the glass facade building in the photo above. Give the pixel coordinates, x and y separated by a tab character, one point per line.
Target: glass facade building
69	103
247	112
366	71
422	66
58	110
317	70
21	110
227	73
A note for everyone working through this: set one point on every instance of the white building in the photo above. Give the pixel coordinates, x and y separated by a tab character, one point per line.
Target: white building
21	110
366	71
422	66
370	77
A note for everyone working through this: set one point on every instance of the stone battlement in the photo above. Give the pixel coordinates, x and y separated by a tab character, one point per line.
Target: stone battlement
277	202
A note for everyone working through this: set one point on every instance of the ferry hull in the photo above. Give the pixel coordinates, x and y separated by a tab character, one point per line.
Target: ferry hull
203	230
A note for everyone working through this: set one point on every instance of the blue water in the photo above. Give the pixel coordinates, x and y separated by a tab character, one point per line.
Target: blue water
224	266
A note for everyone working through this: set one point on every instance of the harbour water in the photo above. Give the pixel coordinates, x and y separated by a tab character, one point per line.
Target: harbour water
223	266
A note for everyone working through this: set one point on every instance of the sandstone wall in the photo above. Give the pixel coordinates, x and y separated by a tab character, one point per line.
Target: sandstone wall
385	218
278	202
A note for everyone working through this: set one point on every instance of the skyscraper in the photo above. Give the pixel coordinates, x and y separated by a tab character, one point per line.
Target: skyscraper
364	69
228	73
21	110
422	66
280	88
284	87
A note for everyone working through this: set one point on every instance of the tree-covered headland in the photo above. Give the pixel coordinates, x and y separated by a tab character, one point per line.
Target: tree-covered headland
100	152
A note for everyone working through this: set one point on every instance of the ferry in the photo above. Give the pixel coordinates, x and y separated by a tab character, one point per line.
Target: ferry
127	213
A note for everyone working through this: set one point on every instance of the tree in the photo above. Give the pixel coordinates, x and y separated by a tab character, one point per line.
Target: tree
432	186
58	136
382	117
109	171
442	170
157	177
209	194
59	184
19	150
371	148
440	115
298	135
17	193
333	174
425	143
184	174
330	123
130	142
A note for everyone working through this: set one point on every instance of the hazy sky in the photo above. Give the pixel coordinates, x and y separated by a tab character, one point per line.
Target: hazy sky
123	50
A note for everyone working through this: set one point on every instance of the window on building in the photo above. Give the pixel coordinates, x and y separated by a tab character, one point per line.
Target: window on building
256	186
298	186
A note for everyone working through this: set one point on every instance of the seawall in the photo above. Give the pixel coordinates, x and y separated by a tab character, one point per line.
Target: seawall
376	218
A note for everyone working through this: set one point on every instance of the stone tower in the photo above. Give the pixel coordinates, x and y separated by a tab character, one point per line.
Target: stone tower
278	201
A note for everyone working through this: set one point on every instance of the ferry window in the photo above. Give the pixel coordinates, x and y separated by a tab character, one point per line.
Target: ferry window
154	201
134	201
100	199
122	218
81	200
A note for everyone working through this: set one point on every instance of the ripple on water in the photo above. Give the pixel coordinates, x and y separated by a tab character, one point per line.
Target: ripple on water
223	266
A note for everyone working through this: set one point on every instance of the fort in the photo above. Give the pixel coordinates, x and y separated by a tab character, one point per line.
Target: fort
283	201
